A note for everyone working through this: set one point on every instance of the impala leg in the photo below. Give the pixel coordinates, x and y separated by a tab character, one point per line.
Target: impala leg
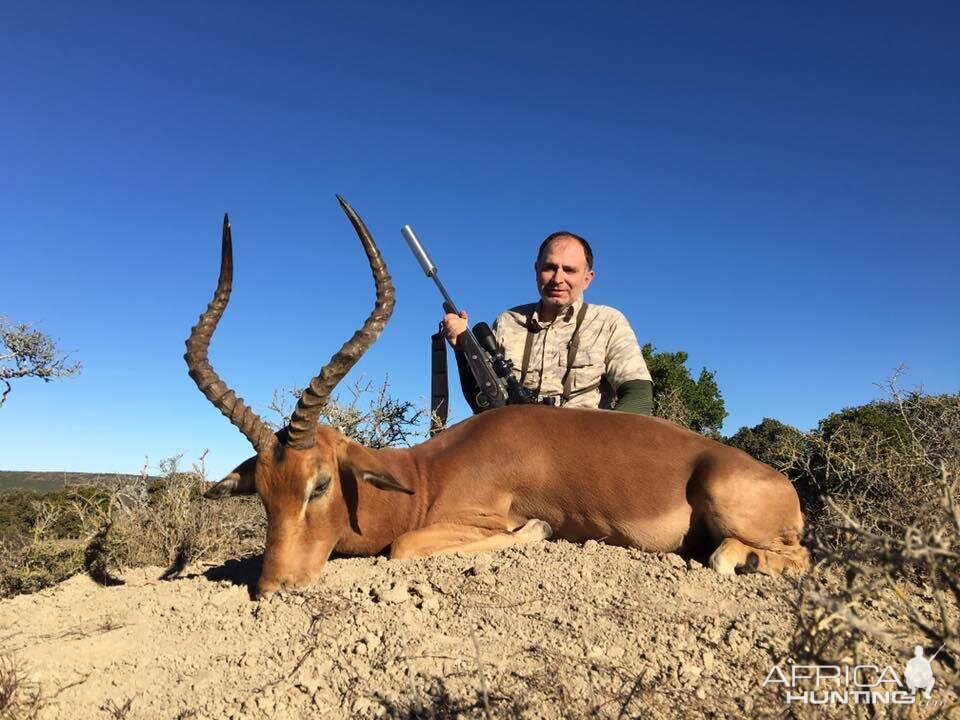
734	554
754	515
450	538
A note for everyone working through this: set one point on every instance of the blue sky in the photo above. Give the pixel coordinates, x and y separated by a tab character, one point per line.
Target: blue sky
773	188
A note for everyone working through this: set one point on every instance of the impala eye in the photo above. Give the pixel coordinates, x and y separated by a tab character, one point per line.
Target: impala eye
323	484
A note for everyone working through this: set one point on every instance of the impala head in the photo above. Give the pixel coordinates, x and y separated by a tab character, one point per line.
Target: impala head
302	473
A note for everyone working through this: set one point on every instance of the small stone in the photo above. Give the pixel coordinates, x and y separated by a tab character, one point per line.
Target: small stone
308	685
591	546
360	705
396	594
430	605
708	659
423	590
481	565
675	561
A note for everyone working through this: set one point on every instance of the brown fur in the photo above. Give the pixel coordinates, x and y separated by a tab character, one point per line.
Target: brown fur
589	474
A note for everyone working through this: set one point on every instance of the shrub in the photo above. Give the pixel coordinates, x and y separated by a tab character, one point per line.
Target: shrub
166	522
372	417
777	444
887	538
20	697
132	522
696	404
884	462
40	564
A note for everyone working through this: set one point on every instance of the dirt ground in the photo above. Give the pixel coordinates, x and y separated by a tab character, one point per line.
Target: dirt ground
547	631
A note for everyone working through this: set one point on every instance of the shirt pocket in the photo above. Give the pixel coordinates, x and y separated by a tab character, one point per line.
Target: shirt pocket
532	379
586	368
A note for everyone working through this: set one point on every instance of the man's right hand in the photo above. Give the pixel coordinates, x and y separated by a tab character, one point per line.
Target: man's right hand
453	326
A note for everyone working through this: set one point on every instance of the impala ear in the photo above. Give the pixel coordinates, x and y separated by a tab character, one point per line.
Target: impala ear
367	467
238	482
385	482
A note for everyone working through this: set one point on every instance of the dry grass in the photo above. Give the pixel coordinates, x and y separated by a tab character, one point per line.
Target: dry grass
142	521
372	416
167	523
20	697
887	542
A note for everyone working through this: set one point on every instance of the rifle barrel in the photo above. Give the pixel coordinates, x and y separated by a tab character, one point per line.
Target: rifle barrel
427	264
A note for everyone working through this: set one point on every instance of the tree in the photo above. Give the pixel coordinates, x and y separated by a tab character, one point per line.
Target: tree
25	353
677	397
775	443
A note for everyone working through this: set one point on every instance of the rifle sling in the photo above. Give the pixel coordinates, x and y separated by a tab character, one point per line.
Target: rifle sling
439	393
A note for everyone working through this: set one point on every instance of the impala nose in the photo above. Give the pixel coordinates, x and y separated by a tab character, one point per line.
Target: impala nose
269	586
265	590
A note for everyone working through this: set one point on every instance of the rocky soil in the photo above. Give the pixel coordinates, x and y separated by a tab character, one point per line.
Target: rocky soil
547	631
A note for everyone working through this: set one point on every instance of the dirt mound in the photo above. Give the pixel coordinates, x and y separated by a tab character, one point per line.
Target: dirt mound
547	631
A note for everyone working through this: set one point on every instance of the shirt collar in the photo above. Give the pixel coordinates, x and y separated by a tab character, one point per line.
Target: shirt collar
567	316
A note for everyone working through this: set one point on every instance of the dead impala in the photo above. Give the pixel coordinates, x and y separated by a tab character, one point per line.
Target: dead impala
512	475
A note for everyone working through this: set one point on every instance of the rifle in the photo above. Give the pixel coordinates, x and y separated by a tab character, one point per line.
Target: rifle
492	371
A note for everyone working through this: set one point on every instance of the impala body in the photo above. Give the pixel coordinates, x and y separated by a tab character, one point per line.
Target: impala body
512	475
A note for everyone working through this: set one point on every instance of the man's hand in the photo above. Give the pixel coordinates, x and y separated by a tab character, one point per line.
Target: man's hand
453	326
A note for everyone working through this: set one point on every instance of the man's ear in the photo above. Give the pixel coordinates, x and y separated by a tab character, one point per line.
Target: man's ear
238	482
365	466
588	278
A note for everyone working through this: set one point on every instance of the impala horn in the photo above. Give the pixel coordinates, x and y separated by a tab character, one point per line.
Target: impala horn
303	424
202	372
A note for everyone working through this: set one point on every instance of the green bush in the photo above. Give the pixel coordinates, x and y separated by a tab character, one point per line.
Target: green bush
882	461
40	564
17	515
53	515
775	443
697	404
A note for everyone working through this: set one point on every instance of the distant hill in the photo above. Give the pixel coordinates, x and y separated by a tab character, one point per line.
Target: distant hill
50	481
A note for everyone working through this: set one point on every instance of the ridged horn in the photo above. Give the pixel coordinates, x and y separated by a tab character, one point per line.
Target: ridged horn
198	344
303	424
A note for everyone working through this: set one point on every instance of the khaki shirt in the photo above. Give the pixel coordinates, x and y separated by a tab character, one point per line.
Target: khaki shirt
608	350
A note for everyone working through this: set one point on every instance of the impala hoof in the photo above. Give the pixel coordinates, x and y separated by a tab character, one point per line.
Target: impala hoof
538	529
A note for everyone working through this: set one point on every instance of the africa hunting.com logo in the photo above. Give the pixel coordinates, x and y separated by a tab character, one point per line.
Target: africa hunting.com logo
858	684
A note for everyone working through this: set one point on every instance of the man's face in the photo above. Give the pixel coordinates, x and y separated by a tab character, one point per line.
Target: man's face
562	273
